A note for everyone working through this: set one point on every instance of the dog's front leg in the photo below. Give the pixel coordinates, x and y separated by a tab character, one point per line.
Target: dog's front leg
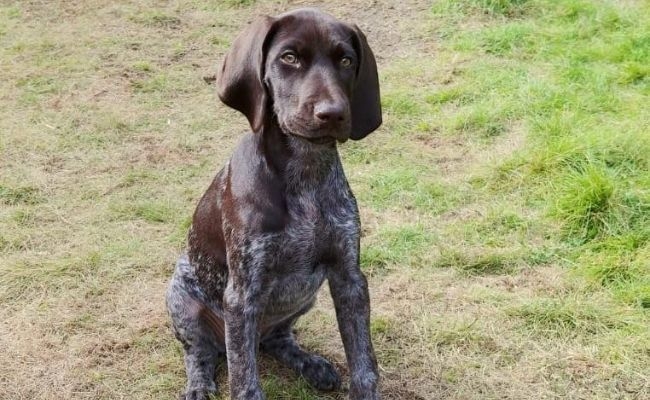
349	290
244	300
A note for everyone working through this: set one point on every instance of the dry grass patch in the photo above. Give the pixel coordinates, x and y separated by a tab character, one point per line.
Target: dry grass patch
493	272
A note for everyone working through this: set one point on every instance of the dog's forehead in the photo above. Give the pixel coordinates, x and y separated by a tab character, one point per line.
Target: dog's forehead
311	26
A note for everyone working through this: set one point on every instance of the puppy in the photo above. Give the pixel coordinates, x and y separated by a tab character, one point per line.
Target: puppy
279	219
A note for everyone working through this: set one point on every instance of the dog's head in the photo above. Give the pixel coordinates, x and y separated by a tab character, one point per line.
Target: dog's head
314	75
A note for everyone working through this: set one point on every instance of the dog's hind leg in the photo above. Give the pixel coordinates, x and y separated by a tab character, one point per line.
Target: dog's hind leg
194	330
282	345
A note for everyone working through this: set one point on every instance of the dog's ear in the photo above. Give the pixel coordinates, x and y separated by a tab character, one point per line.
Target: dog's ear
365	105
239	83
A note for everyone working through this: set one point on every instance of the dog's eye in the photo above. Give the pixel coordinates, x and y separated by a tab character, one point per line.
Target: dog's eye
289	58
346	62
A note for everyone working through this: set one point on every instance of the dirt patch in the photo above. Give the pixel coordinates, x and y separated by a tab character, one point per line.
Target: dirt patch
391	27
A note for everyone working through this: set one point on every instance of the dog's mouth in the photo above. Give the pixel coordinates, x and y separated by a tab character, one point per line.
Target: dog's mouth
314	133
313	137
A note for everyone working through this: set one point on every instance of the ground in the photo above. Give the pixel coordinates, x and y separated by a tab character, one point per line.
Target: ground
505	201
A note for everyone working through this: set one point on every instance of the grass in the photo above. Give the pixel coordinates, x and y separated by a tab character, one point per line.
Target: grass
505	201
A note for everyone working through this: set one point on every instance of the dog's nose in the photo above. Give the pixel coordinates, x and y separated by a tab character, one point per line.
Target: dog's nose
327	112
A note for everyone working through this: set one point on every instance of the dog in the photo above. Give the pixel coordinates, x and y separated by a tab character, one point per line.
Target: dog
279	219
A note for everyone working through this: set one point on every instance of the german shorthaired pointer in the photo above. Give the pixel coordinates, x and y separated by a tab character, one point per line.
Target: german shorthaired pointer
280	218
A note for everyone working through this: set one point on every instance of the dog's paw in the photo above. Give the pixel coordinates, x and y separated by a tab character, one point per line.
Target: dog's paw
249	394
198	394
321	374
365	387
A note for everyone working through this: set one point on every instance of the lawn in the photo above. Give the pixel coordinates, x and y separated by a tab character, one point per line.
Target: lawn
505	201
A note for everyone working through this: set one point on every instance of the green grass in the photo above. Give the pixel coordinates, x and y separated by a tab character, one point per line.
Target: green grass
505	201
587	162
411	244
484	263
568	318
19	195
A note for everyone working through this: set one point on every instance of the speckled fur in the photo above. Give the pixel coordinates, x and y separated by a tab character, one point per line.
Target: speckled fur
275	223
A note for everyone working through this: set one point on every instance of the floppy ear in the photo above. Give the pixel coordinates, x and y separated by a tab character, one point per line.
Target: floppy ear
239	83
365	106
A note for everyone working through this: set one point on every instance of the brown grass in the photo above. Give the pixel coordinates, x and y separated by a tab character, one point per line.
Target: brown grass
109	137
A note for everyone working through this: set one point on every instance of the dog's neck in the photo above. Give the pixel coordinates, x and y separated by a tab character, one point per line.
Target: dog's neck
301	164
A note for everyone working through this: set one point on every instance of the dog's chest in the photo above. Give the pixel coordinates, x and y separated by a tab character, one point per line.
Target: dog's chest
305	249
314	231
